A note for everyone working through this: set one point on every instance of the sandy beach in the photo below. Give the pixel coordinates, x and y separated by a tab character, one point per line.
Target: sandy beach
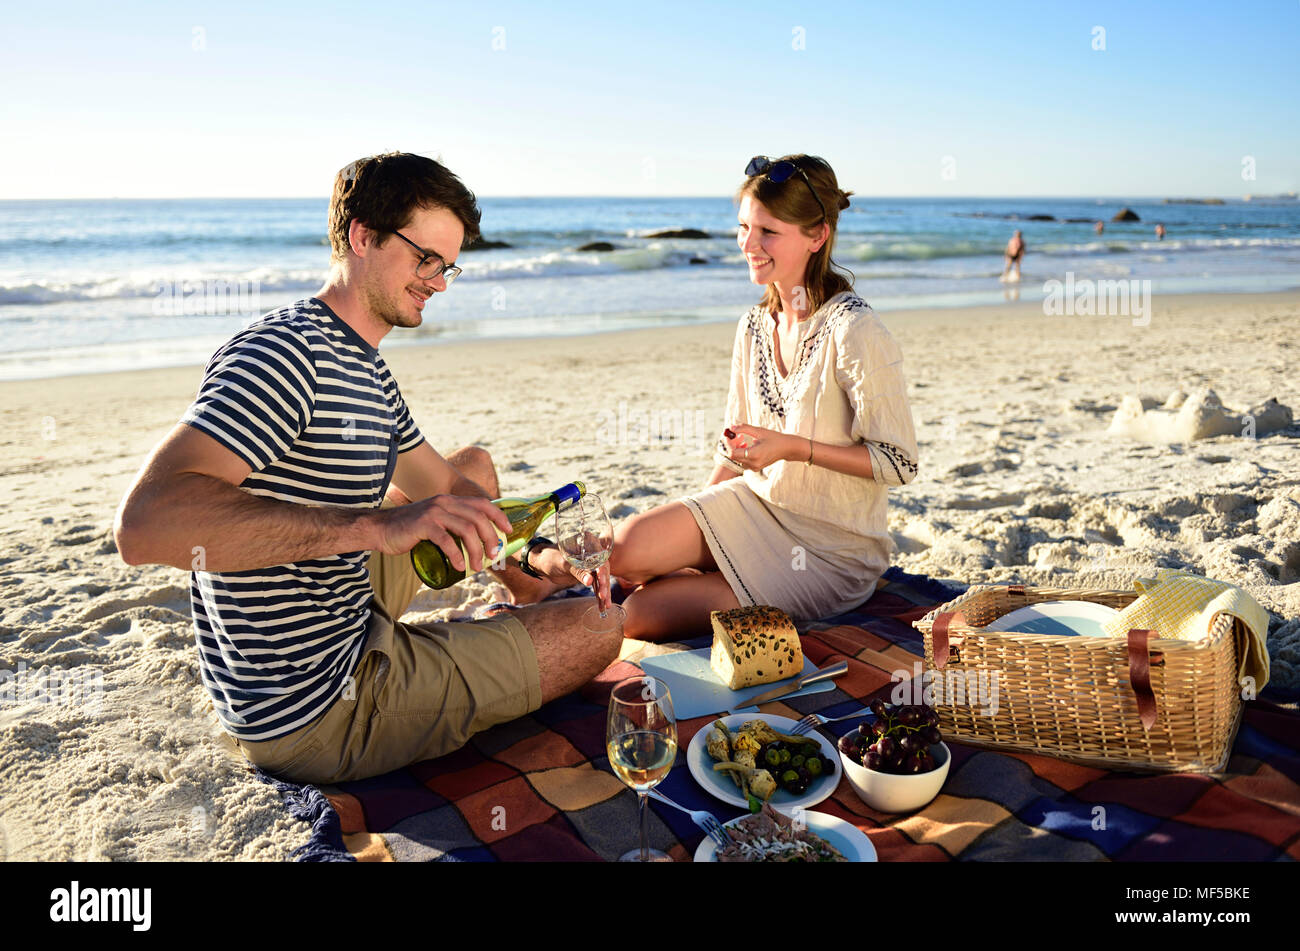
1019	479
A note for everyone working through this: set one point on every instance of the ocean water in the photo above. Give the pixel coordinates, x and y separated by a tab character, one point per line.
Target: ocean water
89	286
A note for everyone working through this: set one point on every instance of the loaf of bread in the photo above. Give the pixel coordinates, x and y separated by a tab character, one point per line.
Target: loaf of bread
754	645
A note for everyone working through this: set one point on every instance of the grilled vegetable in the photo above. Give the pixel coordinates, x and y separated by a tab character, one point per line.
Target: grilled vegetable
718	742
759	781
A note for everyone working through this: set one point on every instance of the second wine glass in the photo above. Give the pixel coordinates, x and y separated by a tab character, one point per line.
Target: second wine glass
585	537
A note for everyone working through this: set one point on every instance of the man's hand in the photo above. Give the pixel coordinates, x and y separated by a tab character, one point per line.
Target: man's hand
469	519
555	568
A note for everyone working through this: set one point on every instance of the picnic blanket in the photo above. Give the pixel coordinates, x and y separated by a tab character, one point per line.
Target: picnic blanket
540	788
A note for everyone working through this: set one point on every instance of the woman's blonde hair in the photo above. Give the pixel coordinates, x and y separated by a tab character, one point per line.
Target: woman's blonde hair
792	201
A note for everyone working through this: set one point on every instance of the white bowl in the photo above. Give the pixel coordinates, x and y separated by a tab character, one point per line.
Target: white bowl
890	792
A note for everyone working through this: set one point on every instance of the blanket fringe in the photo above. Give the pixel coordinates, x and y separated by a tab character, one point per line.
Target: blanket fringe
308	803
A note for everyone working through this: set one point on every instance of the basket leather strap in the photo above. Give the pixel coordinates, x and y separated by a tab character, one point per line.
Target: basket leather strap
939	635
1139	674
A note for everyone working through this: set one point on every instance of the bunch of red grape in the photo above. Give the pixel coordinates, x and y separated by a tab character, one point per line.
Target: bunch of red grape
897	741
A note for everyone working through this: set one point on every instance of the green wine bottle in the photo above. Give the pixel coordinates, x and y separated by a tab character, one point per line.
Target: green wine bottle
526	519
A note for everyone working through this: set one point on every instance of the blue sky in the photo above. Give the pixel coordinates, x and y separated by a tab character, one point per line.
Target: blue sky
230	99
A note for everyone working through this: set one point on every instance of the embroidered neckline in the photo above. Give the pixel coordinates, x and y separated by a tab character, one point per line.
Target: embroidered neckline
775	391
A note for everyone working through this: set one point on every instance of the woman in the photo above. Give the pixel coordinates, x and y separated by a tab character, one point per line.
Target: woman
818	425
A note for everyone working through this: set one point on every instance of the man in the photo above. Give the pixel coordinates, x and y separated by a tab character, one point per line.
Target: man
1014	252
272	489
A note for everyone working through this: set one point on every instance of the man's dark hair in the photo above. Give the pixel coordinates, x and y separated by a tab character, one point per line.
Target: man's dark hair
383	191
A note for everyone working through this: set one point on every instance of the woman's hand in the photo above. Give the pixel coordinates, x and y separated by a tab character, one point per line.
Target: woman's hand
554	567
757	448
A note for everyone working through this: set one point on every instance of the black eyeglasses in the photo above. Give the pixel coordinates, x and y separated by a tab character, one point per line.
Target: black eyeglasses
431	265
779	172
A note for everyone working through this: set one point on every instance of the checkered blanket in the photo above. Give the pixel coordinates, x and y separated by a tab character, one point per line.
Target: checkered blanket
540	788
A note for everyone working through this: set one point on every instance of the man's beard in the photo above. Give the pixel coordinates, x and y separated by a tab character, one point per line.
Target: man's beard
382	307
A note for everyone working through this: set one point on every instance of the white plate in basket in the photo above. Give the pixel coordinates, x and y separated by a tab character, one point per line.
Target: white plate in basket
1068	618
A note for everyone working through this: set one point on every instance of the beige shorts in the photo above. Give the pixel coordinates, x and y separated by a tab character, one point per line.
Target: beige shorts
419	690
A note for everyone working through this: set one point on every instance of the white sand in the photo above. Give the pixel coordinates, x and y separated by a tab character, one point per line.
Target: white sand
1019	479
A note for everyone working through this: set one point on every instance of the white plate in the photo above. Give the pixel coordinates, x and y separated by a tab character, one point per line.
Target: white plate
1057	617
700	763
851	841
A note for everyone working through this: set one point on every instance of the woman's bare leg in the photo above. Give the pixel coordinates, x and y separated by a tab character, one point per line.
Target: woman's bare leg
657	543
676	607
664	552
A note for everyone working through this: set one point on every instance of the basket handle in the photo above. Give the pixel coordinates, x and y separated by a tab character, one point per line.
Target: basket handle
939	635
1139	675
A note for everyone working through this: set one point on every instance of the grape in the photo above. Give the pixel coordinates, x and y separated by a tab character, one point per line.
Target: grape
886	746
911	743
873	760
931	735
927	762
910	716
865	728
877	707
847	744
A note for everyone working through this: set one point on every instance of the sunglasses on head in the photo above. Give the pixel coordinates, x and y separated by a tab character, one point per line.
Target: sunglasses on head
778	172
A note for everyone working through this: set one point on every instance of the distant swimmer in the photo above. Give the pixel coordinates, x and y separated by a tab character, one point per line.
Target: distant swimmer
1160	232
1015	251
1099	227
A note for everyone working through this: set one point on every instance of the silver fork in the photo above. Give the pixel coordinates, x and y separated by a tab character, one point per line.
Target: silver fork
814	720
705	820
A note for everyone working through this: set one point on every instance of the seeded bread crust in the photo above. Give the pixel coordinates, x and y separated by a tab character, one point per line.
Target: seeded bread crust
754	645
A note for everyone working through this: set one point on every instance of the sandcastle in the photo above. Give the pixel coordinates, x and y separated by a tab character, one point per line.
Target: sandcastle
1198	414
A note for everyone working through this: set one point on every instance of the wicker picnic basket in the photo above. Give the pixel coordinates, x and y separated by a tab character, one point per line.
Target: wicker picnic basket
1137	702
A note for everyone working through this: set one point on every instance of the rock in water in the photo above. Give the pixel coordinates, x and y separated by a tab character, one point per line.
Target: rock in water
1126	214
694	233
597	246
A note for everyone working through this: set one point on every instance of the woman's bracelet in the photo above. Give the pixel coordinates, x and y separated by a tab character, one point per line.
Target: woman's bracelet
810	452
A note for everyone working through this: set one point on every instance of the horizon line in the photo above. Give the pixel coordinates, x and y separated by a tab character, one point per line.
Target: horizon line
1096	197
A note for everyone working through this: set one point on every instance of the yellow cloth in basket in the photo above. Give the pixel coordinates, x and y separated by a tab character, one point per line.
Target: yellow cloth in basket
1182	605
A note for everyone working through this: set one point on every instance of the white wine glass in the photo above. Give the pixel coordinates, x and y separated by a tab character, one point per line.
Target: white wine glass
585	537
641	739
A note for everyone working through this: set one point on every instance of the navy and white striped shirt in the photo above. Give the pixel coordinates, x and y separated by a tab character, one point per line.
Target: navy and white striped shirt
313	408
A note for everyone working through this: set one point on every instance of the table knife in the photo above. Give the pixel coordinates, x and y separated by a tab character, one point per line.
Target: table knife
784	690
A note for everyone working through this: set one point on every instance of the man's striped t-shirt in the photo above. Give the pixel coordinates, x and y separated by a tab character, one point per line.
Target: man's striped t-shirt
313	408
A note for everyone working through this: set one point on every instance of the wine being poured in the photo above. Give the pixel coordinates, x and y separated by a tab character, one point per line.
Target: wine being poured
526	518
585	537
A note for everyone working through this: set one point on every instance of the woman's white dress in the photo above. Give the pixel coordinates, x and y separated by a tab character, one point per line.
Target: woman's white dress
806	539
